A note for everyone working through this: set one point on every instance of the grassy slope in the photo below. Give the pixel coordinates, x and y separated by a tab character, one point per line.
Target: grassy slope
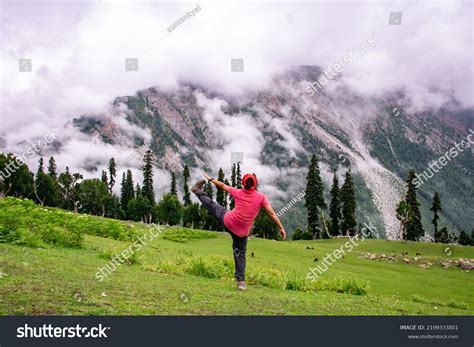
56	280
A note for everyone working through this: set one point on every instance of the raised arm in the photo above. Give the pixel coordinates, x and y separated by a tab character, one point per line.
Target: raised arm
217	183
269	210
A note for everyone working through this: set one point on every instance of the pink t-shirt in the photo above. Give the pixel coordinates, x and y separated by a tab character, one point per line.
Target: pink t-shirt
247	206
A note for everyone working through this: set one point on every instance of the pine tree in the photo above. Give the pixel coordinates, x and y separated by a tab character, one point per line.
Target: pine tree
147	169
122	187
52	169
233	180
413	225
436	207
314	196
220	195
238	176
127	191
348	205
233	177
40	165
104	178
138	191
130	189
173	184
226	195
112	174
187	197
335	206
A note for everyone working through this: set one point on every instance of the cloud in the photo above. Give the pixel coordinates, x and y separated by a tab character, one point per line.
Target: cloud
78	53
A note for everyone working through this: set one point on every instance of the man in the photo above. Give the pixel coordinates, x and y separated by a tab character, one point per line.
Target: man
238	221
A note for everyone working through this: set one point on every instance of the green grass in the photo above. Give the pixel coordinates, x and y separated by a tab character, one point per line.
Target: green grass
189	272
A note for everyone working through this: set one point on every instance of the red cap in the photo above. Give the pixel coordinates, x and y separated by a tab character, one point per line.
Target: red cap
249	175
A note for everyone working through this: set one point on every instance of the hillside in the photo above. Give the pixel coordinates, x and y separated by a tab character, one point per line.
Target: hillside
49	261
280	128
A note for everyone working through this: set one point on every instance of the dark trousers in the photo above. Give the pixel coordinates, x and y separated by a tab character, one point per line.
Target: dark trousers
239	244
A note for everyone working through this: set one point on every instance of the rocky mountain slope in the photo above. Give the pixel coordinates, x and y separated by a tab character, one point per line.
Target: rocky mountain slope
278	129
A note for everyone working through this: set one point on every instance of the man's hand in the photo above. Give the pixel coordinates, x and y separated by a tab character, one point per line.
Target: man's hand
207	177
283	234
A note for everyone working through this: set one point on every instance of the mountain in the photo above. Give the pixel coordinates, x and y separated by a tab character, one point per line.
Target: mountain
279	128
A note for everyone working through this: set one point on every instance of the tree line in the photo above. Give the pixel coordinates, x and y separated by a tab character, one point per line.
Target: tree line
70	191
342	207
341	219
137	202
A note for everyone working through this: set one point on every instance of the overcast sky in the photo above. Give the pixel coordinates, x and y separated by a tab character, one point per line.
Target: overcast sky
78	52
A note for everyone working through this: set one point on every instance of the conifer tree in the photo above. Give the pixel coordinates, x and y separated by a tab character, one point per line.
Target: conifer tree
335	206
435	208
220	195
173	184
413	227
314	197
104	178
233	177
348	203
52	169
147	169
127	191
238	176
186	197
112	174
40	165
138	191
226	195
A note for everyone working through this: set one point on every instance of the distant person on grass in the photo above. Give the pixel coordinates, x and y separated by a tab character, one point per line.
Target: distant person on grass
238	221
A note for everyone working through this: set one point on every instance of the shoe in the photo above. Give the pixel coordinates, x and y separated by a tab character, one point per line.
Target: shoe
198	186
241	285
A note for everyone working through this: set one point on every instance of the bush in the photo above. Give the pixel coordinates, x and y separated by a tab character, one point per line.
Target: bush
169	210
301	234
